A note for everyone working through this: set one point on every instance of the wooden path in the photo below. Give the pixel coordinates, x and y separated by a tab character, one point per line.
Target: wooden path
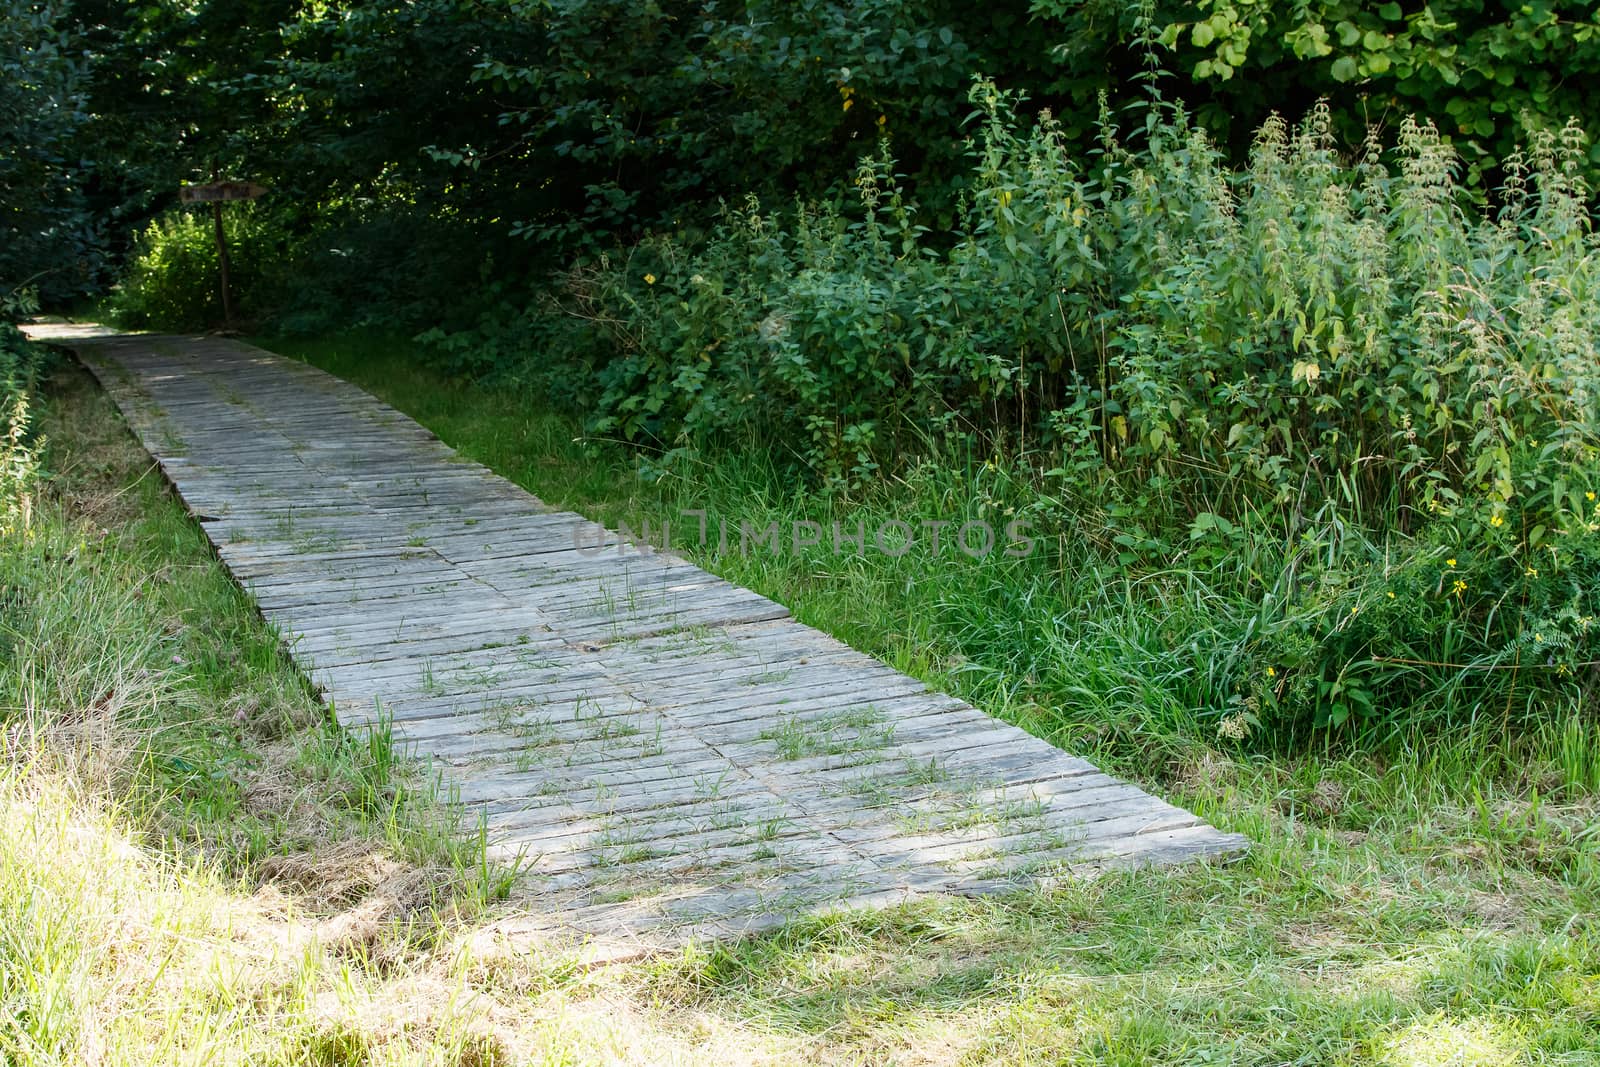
671	755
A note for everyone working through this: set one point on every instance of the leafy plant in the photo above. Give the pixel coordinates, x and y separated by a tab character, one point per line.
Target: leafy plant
174	277
19	452
1487	72
1328	352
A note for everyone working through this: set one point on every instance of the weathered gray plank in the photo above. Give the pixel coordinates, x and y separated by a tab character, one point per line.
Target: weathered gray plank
625	717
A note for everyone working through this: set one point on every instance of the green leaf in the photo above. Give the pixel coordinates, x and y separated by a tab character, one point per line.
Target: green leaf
1344	69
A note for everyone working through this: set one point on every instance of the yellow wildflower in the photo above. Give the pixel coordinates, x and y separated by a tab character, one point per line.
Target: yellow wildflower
649	279
1532	572
1589	495
1460	587
1450	562
1391	594
1272	672
1497	521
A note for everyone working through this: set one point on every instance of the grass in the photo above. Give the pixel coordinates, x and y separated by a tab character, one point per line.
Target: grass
174	802
1430	905
861	731
1428	902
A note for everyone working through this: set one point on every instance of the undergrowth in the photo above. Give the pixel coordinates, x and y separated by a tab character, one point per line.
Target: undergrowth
1347	419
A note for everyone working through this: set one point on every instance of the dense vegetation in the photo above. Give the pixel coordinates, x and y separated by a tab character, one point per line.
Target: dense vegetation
1299	407
1335	368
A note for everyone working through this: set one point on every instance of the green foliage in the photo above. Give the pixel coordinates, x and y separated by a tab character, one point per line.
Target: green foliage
173	280
1197	362
553	129
1486	72
382	264
574	123
47	234
1288	325
19	454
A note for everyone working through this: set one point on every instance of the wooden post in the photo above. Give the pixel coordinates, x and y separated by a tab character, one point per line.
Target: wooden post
222	264
216	194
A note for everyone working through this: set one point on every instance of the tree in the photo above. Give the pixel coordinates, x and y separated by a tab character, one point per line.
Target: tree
48	237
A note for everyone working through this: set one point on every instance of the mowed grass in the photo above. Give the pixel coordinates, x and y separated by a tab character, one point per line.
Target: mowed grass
1429	904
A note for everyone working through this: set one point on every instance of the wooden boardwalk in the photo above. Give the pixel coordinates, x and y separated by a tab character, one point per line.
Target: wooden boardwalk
671	755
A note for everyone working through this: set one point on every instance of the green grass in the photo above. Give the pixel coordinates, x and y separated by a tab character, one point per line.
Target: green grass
861	731
1428	902
191	854
123	627
1431	904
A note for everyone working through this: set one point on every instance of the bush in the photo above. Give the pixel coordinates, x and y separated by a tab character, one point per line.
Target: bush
1278	328
1488	71
341	267
390	266
172	281
1332	354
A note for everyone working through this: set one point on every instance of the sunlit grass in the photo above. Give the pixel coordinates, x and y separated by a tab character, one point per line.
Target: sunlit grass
1431	904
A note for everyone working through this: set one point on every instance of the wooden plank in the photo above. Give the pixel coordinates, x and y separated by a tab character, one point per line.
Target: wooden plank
593	703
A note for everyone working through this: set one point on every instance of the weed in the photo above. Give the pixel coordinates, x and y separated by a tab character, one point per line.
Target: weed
834	734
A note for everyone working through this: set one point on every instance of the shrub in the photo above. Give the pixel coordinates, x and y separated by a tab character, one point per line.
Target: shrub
1332	353
1278	328
172	281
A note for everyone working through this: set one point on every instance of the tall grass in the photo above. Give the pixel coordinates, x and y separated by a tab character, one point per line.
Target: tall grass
1355	416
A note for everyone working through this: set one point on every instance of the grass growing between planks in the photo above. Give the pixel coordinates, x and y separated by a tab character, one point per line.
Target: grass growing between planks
1429	902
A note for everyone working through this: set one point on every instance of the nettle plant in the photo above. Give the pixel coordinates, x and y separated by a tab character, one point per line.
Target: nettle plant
1326	344
1305	322
835	333
19	451
1328	361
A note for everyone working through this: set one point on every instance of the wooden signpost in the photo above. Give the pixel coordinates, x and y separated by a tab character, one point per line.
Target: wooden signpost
216	194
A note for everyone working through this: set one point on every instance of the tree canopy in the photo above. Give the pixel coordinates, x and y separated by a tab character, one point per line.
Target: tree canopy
554	128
